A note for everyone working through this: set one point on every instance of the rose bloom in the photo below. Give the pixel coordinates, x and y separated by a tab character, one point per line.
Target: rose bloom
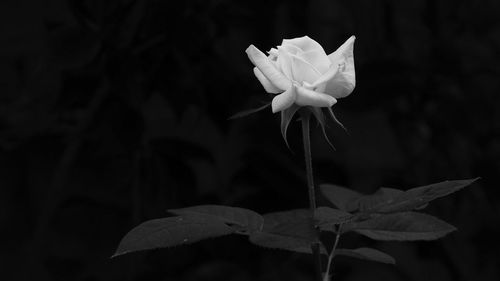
300	72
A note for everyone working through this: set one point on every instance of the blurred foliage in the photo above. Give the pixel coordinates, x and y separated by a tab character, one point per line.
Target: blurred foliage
112	112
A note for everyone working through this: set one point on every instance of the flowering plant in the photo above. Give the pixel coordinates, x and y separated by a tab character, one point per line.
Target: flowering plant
305	79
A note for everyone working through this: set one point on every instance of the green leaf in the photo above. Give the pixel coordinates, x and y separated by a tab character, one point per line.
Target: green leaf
288	230
373	202
390	200
326	216
339	196
276	241
366	254
405	226
243	220
293	223
249	111
417	197
171	231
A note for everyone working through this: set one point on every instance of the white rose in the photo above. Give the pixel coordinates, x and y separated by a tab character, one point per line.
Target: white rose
299	71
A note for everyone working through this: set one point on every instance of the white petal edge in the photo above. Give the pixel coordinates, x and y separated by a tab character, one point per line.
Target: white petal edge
272	53
268	86
343	52
291	49
344	81
341	85
262	62
306	97
284	100
305	43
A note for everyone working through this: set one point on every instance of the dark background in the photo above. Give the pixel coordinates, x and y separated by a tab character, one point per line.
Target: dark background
112	112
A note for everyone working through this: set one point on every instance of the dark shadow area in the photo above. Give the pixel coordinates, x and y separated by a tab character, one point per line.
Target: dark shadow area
112	112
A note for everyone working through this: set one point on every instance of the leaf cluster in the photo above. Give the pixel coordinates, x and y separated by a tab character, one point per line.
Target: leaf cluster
388	214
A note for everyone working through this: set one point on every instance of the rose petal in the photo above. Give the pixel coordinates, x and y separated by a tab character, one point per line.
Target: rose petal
291	49
306	97
320	83
342	84
268	86
262	62
344	51
303	71
305	43
284	100
318	59
284	63
344	81
273	53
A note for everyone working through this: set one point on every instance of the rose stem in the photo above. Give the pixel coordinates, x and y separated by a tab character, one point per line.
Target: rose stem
305	116
332	255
